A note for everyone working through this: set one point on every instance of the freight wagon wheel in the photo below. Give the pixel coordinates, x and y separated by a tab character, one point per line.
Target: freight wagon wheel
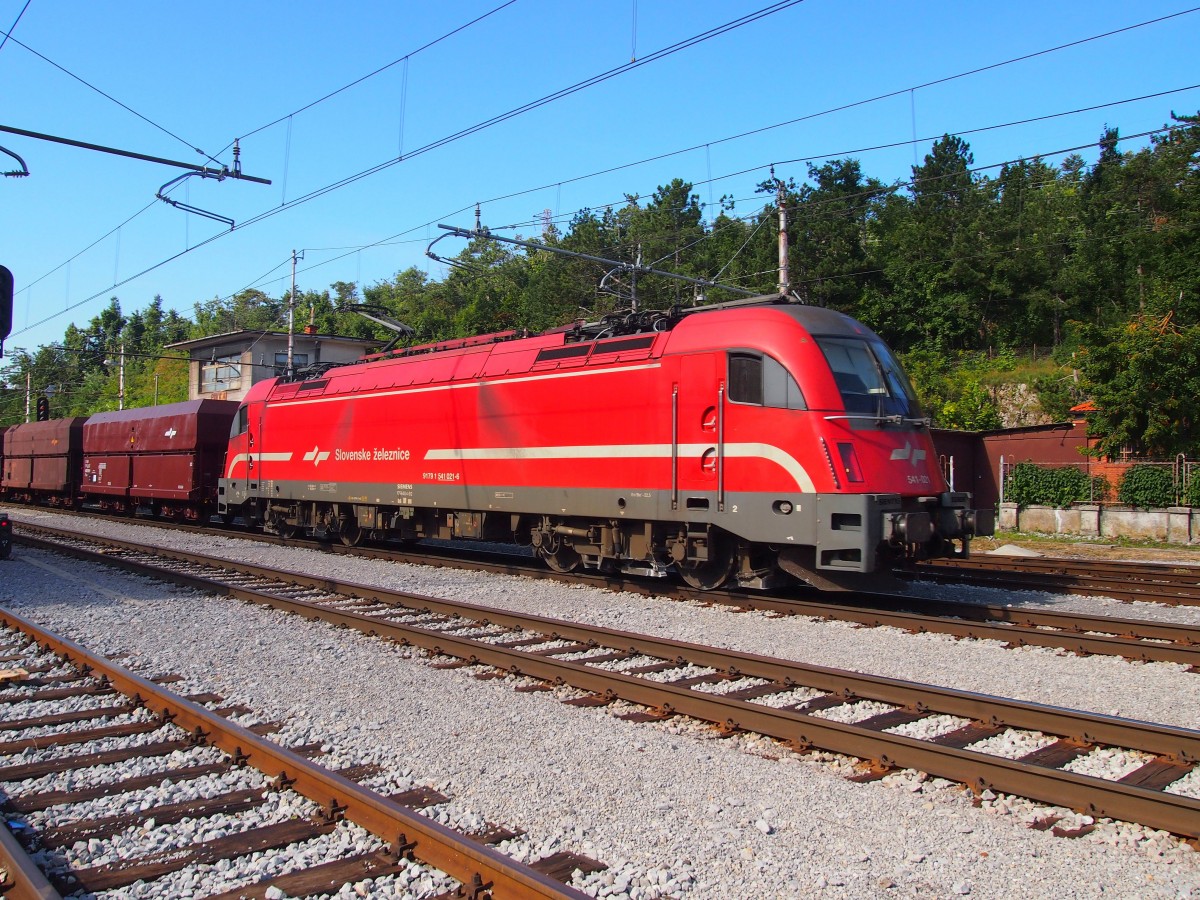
710	574
563	559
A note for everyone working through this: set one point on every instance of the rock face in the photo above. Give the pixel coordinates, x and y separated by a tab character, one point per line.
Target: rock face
1019	406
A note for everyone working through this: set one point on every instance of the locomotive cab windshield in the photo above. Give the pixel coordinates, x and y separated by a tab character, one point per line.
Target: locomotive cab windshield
870	379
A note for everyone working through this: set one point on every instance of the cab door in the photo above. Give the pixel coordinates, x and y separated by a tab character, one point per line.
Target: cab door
698	462
243	458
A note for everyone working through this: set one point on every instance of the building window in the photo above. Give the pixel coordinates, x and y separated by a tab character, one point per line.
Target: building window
223	373
299	361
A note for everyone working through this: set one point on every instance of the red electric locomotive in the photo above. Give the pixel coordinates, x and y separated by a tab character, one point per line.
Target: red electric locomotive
739	440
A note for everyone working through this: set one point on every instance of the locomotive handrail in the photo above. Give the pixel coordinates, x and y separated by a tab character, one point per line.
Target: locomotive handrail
924	422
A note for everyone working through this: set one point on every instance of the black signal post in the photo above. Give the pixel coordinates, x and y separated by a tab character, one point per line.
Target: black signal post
6	304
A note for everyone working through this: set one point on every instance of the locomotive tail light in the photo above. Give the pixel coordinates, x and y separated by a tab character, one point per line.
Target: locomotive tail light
783	507
849	461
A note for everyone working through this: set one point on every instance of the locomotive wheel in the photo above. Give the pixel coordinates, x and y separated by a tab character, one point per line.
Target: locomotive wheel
349	531
350	534
276	521
714	571
564	559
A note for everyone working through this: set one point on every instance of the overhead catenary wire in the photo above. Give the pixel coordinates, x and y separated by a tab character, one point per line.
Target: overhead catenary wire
383	68
331	94
106	95
16	21
842	108
549	98
530	106
463	209
858	274
365	173
658	157
667	51
867	192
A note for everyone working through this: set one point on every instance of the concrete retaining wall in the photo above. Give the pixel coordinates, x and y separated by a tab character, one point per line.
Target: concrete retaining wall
1175	525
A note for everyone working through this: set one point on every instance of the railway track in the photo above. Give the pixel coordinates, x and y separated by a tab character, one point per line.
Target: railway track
1017	626
75	724
1174	584
1043	753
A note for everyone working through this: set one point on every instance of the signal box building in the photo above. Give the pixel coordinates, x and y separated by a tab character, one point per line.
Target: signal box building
225	366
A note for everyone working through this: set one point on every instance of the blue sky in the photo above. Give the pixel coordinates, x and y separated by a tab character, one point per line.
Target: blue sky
209	75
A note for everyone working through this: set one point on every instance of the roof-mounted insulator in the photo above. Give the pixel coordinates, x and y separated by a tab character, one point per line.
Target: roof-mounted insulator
14	173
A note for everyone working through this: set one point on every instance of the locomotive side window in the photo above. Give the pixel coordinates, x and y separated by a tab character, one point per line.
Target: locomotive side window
745	378
761	381
241	422
868	377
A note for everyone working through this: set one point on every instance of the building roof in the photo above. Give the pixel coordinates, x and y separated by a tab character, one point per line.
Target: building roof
229	337
1085	406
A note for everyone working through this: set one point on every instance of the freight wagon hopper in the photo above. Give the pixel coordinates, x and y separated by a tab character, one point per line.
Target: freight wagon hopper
157	461
41	462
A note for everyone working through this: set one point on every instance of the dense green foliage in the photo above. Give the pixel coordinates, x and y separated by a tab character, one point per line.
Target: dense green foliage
1028	485
958	269
1191	490
1148	487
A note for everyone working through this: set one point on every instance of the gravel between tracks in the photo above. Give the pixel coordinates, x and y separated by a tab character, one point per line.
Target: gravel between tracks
673	810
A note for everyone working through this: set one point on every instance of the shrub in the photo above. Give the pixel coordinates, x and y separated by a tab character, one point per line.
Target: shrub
1191	495
1029	485
1147	487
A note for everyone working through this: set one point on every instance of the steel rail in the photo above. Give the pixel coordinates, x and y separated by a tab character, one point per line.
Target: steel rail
408	833
1127	582
1096	796
1128	638
1168	571
23	879
1083	634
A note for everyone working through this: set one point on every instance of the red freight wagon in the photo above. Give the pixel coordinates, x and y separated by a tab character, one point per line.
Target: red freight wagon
41	461
3	465
164	460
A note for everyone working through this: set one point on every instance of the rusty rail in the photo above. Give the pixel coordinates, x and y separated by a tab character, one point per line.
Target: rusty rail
1172	584
407	832
1129	638
1176	750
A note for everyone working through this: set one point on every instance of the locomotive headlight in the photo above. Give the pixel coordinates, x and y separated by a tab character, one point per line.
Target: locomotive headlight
849	461
783	507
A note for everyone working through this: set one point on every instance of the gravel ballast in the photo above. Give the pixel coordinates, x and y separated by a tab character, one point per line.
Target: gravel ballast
672	810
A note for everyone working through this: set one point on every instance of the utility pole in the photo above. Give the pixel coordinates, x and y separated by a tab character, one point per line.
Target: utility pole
780	200
121	379
28	391
633	304
292	317
156	389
